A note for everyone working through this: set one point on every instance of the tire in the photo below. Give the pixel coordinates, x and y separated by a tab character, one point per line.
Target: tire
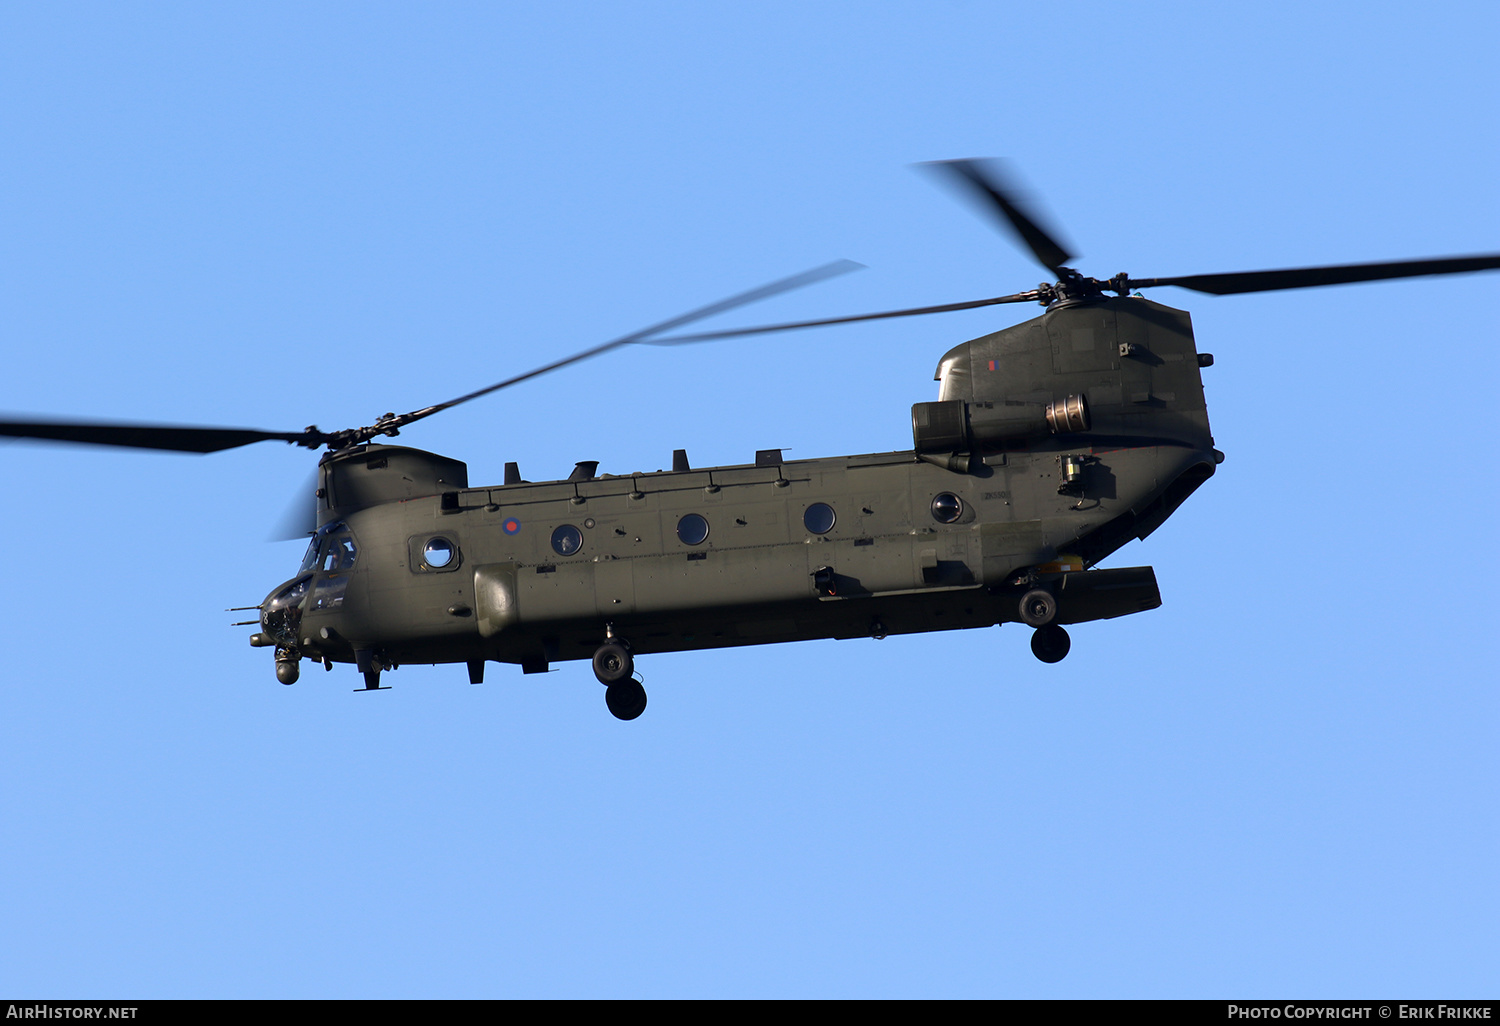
626	700
613	663
1038	608
1050	644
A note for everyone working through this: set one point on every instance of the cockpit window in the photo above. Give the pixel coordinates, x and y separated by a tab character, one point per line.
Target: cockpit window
338	553
329	594
310	558
332	548
291	595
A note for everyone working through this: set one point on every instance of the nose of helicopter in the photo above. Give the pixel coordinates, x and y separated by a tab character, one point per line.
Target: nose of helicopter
286	600
280	617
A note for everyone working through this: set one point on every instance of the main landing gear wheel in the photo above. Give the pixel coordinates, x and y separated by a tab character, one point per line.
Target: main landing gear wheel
1050	644
1038	607
626	699
613	663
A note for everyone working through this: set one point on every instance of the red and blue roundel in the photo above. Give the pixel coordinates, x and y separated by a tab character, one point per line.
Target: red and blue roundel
511	526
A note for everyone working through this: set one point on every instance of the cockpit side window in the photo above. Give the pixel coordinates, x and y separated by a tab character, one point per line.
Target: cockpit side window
329	594
338	553
331	549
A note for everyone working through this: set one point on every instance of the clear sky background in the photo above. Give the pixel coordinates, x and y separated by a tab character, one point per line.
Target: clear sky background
1281	783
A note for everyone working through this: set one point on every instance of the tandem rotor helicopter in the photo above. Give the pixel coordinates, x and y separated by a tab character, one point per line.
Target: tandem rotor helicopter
1051	444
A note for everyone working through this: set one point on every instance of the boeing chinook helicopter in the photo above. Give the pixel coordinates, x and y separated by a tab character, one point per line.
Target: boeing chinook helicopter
1051	444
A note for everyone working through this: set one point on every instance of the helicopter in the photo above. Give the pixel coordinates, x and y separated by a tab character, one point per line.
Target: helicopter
1051	444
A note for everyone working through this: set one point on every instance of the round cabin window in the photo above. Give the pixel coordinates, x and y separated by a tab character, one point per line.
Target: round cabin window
947	508
438	553
819	518
567	540
692	529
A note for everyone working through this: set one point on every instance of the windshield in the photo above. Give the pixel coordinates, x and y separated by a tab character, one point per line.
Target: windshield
291	595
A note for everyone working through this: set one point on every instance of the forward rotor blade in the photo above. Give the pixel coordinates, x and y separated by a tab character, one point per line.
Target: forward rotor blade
175	438
984	180
300	519
1310	277
709	336
182	438
775	288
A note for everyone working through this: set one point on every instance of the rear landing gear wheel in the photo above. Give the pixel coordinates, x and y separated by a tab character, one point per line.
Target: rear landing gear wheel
626	699
613	663
1050	644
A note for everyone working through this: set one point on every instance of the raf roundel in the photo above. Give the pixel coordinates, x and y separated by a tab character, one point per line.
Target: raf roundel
511	526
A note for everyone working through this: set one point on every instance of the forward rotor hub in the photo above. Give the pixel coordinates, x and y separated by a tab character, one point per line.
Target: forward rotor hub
1072	287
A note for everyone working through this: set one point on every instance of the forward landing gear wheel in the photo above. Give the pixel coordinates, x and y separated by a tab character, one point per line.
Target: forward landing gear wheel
626	699
1050	644
612	664
1038	607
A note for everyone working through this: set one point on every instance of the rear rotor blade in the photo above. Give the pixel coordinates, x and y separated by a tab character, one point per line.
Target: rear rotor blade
709	336
1310	277
984	180
175	438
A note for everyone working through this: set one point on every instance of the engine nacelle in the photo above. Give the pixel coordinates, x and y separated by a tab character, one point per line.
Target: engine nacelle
957	426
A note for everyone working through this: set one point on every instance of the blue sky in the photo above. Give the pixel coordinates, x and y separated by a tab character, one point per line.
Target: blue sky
1281	783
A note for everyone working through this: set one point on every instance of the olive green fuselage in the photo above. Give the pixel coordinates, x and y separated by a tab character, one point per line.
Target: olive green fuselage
992	500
